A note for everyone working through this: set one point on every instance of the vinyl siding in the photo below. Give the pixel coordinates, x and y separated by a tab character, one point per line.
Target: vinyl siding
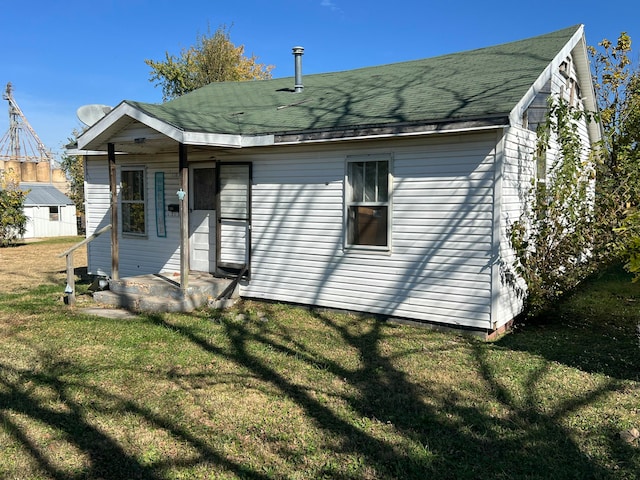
96	194
138	255
438	266
518	170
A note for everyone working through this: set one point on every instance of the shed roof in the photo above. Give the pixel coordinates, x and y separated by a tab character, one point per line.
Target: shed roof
44	194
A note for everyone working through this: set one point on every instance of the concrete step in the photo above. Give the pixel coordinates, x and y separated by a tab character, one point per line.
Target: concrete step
164	285
149	303
160	293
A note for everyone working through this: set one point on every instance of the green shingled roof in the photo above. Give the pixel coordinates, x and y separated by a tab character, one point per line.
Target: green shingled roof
476	84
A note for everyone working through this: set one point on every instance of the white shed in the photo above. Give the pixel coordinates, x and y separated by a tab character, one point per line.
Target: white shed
50	213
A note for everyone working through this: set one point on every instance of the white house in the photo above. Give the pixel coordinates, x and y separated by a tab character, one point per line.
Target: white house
386	189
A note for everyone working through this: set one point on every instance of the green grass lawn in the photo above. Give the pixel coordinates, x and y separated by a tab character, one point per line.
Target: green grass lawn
274	391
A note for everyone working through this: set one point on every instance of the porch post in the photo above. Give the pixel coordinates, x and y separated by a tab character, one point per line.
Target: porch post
184	216
113	191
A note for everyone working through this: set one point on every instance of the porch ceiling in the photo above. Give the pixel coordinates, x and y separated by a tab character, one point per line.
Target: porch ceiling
132	136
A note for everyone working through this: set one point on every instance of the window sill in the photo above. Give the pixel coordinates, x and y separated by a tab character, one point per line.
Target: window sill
141	236
367	249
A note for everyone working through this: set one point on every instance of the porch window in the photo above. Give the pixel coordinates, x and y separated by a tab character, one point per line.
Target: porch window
133	202
367	201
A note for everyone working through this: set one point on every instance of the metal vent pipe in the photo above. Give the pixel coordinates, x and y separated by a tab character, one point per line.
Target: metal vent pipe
297	53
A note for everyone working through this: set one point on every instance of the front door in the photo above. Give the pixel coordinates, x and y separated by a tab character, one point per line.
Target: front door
234	218
202	218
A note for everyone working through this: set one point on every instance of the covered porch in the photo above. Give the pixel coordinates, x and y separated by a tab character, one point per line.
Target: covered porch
186	212
171	196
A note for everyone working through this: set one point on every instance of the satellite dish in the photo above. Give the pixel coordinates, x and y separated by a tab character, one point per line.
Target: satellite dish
90	114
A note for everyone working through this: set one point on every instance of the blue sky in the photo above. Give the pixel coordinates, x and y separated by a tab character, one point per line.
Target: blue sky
62	54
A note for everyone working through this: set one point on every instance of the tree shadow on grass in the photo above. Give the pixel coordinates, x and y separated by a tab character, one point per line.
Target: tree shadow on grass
106	457
594	329
441	435
467	440
421	429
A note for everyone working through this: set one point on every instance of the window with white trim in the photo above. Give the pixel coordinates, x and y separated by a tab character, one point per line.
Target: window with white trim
132	201
54	213
367	201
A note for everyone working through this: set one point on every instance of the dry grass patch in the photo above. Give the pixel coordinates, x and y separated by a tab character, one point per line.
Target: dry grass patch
30	264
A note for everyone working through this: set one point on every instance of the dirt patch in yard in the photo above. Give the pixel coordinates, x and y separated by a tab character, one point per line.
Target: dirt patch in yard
36	262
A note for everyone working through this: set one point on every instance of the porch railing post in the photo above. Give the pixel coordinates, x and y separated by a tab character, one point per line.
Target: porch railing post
70	290
184	216
115	249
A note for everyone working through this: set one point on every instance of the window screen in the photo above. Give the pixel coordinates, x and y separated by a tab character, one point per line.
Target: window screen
368	203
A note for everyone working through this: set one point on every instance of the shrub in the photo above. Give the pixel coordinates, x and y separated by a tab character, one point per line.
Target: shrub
13	221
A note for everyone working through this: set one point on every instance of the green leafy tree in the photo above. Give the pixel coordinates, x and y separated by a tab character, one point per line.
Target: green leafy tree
214	58
618	187
73	167
13	221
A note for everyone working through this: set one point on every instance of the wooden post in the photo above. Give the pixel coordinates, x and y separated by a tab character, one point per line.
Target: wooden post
70	290
184	217
113	190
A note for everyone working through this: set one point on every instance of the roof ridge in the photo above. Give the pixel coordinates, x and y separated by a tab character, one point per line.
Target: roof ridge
563	31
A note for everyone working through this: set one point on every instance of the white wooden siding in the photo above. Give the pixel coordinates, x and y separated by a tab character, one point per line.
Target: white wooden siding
439	266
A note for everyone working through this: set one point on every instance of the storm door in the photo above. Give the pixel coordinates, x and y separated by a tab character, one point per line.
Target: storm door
202	218
234	218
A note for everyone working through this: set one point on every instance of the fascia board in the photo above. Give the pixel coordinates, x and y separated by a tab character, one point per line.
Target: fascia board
258	140
516	113
77	152
226	140
581	62
93	134
152	122
124	109
420	133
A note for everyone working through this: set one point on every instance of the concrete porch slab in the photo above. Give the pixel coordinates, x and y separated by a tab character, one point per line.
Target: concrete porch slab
162	292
